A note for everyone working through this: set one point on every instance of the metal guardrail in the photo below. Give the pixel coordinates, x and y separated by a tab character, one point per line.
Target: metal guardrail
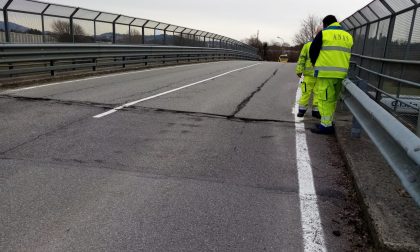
16	60
399	146
30	21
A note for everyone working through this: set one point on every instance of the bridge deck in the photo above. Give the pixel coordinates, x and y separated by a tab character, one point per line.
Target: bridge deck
212	166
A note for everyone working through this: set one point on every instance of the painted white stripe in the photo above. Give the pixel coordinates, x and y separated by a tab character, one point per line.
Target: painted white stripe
100	77
170	91
313	233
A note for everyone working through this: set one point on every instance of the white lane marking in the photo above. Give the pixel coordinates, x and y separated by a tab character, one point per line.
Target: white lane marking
313	233
170	91
99	77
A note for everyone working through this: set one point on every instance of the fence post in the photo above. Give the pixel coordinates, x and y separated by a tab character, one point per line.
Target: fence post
142	32
72	24
114	39
94	26
6	20
43	22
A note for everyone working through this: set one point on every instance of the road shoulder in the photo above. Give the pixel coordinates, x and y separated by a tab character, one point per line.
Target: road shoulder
392	216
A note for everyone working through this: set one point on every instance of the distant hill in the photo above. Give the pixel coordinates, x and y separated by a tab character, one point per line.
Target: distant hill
14	27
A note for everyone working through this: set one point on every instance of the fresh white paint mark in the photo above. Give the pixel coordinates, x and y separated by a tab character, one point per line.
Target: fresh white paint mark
99	77
313	233
170	91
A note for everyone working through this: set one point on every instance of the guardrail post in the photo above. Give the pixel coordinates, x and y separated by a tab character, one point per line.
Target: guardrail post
10	68
52	70
352	70
356	128
418	125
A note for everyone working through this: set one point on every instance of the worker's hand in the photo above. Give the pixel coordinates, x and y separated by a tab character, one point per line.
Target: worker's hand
299	75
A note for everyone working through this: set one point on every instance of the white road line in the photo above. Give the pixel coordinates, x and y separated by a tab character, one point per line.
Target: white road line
99	77
170	91
313	233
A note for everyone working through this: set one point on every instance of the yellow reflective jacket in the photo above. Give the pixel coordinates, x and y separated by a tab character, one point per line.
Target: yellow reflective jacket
304	65
334	58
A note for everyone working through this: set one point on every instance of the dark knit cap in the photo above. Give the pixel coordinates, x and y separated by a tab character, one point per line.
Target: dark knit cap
328	20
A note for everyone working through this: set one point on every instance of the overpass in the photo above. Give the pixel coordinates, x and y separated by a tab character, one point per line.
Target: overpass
202	152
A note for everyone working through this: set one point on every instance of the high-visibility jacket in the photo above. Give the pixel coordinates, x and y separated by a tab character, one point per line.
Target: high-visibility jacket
334	58
304	65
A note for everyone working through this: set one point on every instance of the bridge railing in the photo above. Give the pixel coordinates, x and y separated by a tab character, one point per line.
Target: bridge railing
29	21
387	56
50	59
383	89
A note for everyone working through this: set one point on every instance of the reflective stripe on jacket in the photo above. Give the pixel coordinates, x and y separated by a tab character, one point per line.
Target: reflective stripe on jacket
334	58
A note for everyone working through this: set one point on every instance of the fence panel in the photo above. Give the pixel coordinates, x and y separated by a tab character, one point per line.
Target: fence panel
29	21
387	54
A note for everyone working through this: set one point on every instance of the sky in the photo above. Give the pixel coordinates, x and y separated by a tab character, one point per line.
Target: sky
237	19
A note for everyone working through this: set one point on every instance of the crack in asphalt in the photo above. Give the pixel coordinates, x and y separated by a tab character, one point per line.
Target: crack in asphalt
57	101
243	104
33	139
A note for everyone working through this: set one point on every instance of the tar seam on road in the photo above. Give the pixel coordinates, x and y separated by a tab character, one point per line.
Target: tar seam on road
56	101
246	100
313	233
100	77
172	111
213	115
170	91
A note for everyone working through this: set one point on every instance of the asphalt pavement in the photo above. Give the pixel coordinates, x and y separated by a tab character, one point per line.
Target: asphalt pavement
196	157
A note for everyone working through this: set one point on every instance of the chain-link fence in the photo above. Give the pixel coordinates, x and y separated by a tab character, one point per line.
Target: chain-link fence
27	21
387	54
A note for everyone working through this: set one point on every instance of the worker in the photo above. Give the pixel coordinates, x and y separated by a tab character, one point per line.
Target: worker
330	54
304	67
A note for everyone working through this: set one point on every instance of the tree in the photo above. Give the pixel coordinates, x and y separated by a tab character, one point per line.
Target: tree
307	30
255	42
272	51
136	37
62	32
34	31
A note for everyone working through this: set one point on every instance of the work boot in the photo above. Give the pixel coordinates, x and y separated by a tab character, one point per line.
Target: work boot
316	114
301	113
322	130
318	125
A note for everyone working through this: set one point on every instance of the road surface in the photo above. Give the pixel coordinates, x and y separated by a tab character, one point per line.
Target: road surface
205	157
